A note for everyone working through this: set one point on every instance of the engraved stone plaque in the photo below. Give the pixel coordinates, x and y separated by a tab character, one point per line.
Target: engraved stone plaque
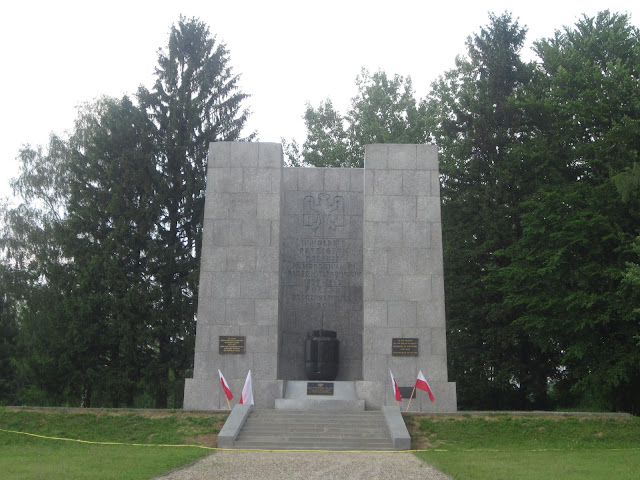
319	388
404	347
231	344
321	272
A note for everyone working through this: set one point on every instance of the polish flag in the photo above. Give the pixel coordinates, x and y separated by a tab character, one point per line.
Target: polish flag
247	391
421	384
396	390
225	386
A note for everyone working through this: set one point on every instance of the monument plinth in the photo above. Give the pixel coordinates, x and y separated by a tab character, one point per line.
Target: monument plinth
287	251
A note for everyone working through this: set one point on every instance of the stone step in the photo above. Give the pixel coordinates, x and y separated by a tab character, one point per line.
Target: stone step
313	430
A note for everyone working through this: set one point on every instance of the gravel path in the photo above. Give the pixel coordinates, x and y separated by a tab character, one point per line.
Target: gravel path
226	464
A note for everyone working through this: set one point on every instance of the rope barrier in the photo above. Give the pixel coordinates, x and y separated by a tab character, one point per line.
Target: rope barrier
296	451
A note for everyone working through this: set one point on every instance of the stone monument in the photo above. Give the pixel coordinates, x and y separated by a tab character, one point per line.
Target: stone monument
287	251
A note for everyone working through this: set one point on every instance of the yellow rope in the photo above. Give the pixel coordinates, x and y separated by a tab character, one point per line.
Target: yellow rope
293	451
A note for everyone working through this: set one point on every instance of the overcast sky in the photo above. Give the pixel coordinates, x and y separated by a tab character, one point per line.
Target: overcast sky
57	55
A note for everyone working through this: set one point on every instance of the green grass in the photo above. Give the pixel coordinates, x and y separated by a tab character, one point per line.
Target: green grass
503	447
31	457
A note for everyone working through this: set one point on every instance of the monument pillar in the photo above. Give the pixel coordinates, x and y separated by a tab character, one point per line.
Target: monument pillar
237	323
289	250
404	317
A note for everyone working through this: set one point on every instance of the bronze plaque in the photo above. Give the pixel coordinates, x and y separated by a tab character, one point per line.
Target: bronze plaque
231	344
404	347
319	388
405	392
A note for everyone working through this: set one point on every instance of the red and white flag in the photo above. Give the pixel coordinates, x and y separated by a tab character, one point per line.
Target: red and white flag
396	390
422	384
247	391
225	386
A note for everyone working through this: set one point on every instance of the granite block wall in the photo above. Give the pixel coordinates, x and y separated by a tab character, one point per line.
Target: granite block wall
403	275
239	274
289	250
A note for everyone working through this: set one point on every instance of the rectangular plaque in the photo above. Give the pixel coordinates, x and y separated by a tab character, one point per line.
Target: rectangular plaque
319	388
404	347
231	344
405	392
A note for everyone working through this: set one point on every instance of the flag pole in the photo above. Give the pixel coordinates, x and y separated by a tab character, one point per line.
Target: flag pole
410	398
228	402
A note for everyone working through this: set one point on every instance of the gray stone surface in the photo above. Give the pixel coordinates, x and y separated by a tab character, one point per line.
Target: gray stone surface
403	291
289	250
321	266
398	430
344	398
231	428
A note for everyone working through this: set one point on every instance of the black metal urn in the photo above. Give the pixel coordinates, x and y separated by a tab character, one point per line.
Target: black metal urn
321	352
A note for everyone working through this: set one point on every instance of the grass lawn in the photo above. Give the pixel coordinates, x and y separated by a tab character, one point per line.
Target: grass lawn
28	457
490	447
503	447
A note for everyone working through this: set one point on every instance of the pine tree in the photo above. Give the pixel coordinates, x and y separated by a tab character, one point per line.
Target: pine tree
195	101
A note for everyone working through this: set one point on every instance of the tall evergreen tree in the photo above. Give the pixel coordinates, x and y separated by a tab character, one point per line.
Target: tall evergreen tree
478	122
110	221
568	273
195	101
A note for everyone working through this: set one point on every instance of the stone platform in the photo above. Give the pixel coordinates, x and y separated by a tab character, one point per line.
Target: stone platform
343	397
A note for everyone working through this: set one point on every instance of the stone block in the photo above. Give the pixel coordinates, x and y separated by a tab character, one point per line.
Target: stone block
416	235
240	311
427	157
266	311
290	179
268	206
387	182
336	180
211	311
244	154
376	156
216	205
311	179
376	209
220	232
387	234
368	182
241	259
270	155
259	285
428	209
242	206
430	314
402	156
403	261
416	287
387	287
402	208
416	182
402	313
214	260
268	259
260	180
227	180
356	179
219	155
375	314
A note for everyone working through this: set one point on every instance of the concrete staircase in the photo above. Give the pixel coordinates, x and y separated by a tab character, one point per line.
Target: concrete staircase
314	430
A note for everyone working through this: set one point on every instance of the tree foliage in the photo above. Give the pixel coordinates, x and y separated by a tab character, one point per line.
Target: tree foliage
384	110
105	247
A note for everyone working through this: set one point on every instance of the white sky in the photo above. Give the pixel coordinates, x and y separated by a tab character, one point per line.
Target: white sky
57	55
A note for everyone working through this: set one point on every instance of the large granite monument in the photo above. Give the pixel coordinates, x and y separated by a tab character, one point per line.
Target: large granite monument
289	250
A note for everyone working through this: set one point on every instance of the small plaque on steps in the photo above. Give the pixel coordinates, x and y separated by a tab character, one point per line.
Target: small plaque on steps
320	388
